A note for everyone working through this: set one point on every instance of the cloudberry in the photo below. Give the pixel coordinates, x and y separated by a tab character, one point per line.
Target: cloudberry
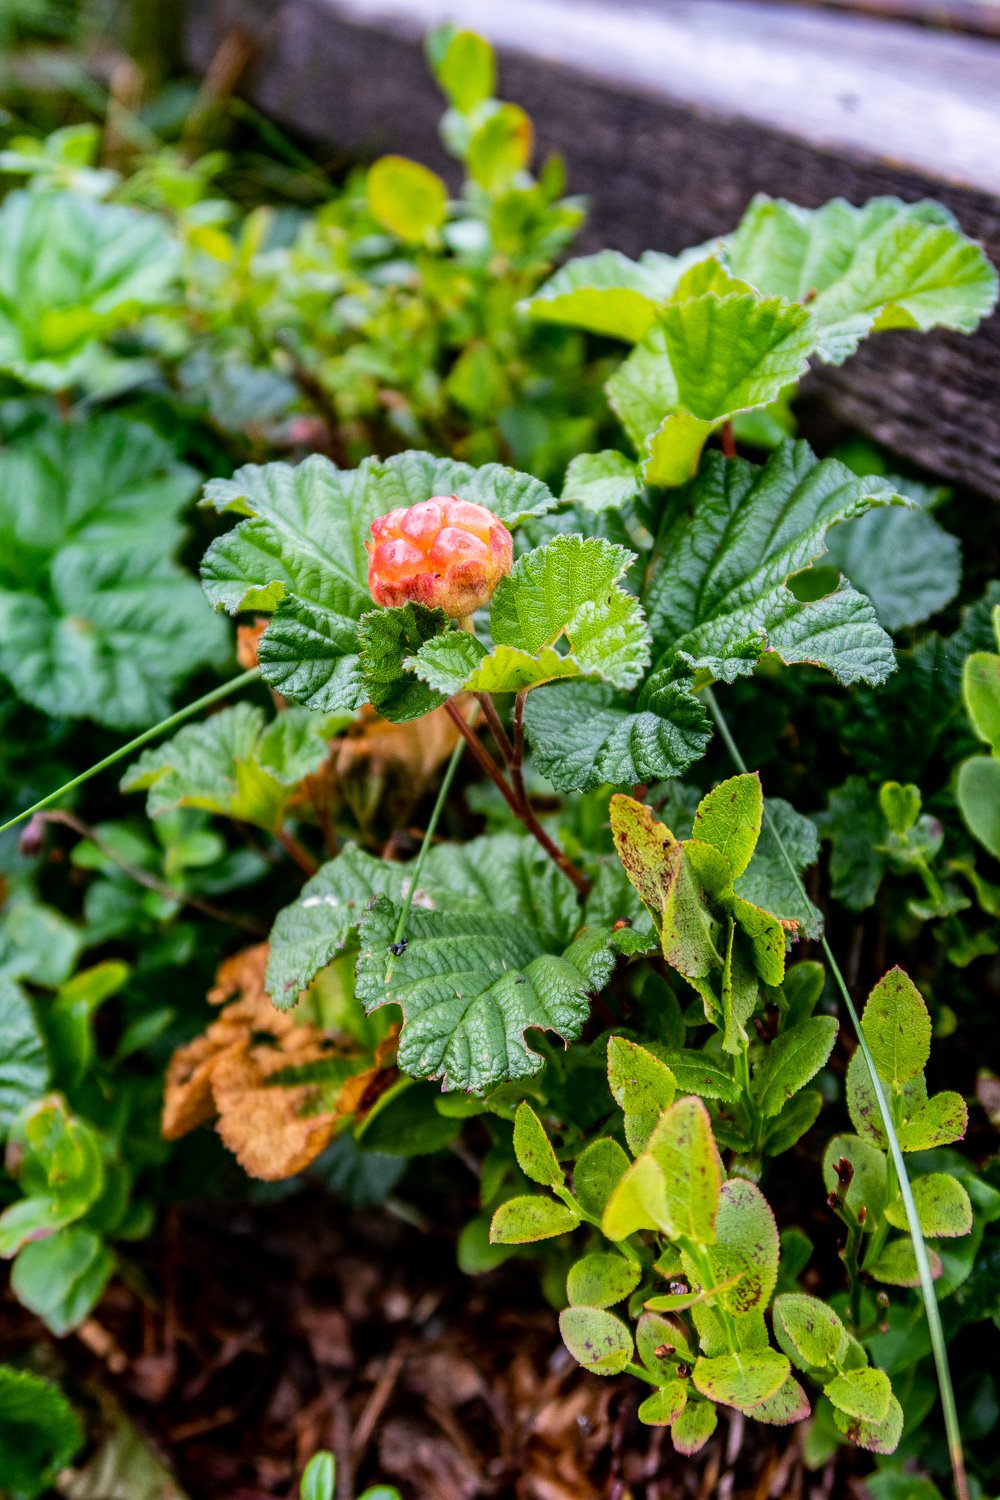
446	553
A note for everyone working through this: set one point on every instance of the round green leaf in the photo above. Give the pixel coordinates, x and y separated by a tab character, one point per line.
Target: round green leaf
861	1393
693	1428
601	1280
407	198
665	1405
943	1207
873	1437
597	1340
978	793
741	1379
520	1221
596	1172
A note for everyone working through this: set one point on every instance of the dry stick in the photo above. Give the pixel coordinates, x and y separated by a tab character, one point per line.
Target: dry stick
916	1233
142	739
142	877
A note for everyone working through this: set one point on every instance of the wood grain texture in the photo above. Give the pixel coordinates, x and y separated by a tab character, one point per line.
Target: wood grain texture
661	173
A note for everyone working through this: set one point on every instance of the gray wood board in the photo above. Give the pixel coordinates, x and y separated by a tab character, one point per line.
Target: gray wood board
664	171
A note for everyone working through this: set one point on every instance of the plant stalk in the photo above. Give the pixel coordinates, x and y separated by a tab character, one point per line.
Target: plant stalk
935	1329
143	739
446	781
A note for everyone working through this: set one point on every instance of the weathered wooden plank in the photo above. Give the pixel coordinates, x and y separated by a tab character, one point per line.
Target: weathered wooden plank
671	146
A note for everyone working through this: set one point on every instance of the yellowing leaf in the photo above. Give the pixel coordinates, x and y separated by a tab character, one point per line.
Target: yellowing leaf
407	198
684	1148
729	818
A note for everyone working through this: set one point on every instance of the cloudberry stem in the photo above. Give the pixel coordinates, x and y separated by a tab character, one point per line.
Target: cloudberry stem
301	856
496	728
517	759
521	809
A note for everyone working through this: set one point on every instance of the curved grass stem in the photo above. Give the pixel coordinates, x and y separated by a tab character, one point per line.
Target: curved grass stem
143	739
935	1329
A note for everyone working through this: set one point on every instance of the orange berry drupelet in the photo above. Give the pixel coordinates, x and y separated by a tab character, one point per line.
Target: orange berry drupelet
445	553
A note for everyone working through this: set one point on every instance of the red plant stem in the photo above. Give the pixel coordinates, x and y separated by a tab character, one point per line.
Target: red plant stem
496	728
142	877
483	756
520	808
728	438
301	856
517	760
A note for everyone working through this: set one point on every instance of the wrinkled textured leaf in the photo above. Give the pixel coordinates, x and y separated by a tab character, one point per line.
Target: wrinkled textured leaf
886	265
387	638
71	271
602	481
716	595
96	619
470	984
905	562
705	358
585	734
856	826
39	1433
608	293
234	763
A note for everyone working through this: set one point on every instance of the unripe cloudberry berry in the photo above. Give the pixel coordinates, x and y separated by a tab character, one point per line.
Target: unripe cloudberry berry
446	553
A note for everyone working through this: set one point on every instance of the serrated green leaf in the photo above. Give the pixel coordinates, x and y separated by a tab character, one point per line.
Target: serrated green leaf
521	1221
791	1060
741	1380
716	594
665	1405
24	1063
233	764
897	1265
767	881
684	1148
596	1173
510	874
609	294
585	734
388	638
886	265
642	1085
692	1429
897	1028
809	1331
448	661
601	1280
96	619
39	1433
746	1245
597	1340
943	1207
873	1438
706	356
74	270
470	984
870	1181
533	1148
602	481
309	654
729	818
903	560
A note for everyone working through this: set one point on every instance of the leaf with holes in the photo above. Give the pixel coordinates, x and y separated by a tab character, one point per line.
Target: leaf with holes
470	984
716	595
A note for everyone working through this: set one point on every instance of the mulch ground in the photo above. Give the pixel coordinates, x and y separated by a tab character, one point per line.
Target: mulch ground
245	1338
